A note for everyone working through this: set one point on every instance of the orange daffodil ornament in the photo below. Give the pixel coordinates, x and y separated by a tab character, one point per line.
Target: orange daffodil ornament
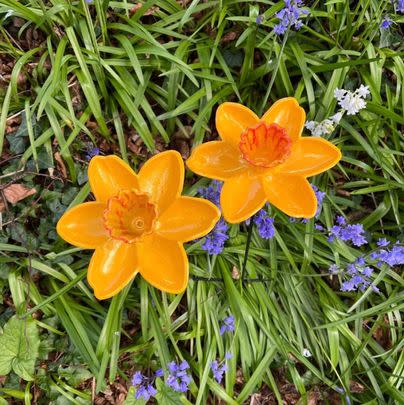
137	224
264	159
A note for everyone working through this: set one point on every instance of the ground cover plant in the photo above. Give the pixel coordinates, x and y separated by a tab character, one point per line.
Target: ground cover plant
316	315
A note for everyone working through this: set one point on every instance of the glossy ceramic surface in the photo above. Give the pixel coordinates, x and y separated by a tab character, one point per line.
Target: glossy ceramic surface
263	160
137	224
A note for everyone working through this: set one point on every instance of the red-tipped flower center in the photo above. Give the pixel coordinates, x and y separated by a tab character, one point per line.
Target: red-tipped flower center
129	215
265	145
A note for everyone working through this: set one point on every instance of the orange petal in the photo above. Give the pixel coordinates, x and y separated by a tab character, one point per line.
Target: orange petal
232	119
241	197
287	113
112	267
162	177
163	263
310	156
83	225
291	194
216	160
188	218
108	175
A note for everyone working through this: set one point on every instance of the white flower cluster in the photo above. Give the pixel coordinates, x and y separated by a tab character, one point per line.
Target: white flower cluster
325	127
350	102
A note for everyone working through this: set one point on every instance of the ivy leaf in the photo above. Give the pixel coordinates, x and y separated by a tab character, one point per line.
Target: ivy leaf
18	139
131	399
234	59
19	345
74	375
19	233
166	395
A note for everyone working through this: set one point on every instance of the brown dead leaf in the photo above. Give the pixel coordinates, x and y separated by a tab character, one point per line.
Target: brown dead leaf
182	146
230	36
18	22
356	387
92	125
61	165
235	274
183	133
150	11
344	193
382	334
313	398
17	192
13	121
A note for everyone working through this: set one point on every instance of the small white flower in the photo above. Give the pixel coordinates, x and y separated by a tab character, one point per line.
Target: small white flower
346	102
310	125
352	104
328	126
363	91
306	353
336	118
318	131
320	128
333	269
339	94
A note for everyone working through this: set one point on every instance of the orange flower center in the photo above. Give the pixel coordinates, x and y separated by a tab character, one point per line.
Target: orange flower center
265	145
129	215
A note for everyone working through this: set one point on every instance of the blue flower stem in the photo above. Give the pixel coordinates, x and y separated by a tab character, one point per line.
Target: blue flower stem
275	72
247	250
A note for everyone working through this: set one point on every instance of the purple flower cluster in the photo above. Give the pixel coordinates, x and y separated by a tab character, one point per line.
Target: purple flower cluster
265	224
91	152
333	269
392	257
320	197
178	378
145	385
259	19
212	192
342	391
358	277
215	240
386	23
382	242
228	325
290	16
220	368
348	233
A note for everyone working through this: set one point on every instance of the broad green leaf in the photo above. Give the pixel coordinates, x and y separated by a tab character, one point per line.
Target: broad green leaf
131	399
166	395
19	345
74	375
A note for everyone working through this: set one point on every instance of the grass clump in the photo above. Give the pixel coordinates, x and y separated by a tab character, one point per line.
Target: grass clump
86	77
